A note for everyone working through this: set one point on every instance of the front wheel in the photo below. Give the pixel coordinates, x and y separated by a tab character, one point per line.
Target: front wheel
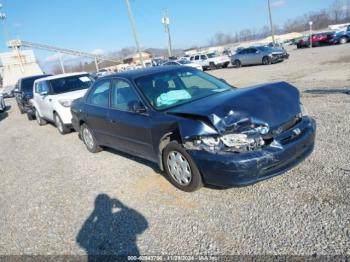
343	40
39	119
212	66
266	60
181	170
237	64
89	139
62	128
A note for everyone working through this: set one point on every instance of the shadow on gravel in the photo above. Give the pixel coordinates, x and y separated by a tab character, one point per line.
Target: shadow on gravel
3	115
135	158
110	232
327	91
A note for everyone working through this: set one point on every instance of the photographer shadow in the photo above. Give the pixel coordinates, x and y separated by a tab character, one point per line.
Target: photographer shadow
110	232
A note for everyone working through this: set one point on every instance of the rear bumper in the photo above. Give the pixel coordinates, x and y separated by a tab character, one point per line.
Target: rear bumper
231	169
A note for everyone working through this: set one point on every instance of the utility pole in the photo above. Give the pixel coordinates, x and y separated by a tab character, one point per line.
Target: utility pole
61	63
166	22
310	24
271	24
96	65
132	22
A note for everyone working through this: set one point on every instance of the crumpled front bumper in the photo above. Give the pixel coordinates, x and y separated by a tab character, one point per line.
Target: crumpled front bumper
224	169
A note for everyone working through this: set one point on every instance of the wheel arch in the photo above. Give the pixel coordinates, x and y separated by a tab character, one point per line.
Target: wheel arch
165	140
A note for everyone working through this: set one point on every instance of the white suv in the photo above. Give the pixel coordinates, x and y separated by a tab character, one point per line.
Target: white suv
211	60
53	95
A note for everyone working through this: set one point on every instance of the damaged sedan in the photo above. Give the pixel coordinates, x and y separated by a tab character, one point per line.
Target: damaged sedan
197	128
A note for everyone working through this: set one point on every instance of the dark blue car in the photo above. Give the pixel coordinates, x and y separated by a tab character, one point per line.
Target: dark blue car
197	128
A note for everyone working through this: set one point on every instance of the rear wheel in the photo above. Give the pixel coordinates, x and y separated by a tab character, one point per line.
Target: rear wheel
39	119
89	139
343	40
181	170
225	65
237	63
62	128
266	60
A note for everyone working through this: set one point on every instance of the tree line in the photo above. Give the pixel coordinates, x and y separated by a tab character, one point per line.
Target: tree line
337	13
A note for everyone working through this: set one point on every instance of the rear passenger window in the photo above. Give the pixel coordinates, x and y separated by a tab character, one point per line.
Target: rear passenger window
99	96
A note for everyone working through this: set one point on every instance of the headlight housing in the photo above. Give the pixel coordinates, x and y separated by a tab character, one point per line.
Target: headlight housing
249	140
303	110
65	102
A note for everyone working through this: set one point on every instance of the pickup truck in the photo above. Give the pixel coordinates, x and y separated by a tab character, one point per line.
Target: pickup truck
211	60
342	37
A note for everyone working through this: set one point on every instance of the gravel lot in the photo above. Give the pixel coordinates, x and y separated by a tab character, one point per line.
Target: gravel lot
50	183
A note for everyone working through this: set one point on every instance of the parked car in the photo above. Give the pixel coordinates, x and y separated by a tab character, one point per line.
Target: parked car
257	56
211	60
8	91
319	39
197	128
2	103
184	62
53	95
24	91
342	37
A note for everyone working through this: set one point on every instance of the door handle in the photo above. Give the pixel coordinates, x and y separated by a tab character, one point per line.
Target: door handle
50	99
112	121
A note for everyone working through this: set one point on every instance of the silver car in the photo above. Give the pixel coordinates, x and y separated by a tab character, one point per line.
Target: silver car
257	56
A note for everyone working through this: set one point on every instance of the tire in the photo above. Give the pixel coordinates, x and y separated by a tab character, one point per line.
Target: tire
89	139
212	66
175	157
30	117
237	63
225	65
21	109
266	60
343	40
61	127
39	119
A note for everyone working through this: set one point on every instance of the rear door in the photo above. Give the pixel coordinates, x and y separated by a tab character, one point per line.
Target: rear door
96	111
130	131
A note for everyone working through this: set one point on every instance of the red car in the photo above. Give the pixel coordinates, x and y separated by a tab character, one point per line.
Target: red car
317	40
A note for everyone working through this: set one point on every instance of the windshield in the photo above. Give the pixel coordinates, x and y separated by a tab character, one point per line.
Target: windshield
168	89
70	84
212	55
184	62
264	48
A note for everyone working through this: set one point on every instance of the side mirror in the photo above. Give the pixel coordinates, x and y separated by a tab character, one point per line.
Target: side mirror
137	107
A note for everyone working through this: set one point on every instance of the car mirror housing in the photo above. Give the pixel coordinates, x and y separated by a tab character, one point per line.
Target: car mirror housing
137	107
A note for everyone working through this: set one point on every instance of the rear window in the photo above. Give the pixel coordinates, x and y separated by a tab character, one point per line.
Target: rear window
70	84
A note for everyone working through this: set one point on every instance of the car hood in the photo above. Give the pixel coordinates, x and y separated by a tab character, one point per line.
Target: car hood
71	95
270	104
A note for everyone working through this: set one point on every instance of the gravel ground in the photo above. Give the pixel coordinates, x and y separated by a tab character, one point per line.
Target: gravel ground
56	197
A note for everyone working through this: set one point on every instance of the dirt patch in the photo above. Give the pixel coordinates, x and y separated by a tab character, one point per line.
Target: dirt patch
341	60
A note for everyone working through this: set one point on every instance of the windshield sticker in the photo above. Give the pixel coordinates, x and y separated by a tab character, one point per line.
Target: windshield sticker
84	79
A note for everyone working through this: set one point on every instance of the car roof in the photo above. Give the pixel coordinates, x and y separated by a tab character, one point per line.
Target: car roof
60	76
34	76
133	74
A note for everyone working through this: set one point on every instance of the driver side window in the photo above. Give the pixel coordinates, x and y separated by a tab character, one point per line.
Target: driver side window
123	95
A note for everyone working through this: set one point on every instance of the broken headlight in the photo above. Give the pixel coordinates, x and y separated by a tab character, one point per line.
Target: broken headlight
242	142
303	110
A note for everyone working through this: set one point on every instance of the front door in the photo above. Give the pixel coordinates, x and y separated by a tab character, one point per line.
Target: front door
130	131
